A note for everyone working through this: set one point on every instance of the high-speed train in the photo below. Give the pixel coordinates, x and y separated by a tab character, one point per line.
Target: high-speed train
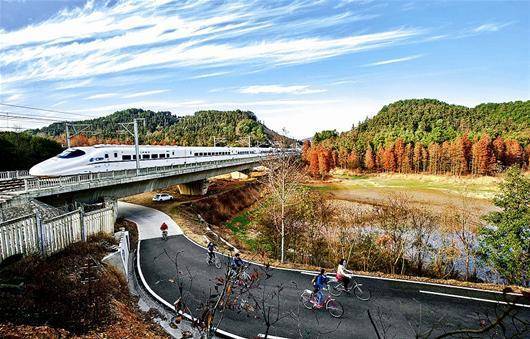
103	158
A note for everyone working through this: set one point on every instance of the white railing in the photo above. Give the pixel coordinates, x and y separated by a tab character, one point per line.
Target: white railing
31	235
31	184
8	175
124	251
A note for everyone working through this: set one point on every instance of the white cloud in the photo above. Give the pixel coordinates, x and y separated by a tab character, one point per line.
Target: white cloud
491	27
280	89
91	41
393	61
101	96
209	75
146	93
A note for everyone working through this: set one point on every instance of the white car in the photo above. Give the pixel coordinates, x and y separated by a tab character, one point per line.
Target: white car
162	197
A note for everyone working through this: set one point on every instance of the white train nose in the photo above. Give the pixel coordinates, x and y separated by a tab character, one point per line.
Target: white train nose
47	168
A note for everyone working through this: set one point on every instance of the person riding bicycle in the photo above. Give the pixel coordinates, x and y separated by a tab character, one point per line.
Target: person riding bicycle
236	264
319	282
211	247
343	274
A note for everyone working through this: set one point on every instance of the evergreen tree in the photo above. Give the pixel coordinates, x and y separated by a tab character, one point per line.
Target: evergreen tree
505	243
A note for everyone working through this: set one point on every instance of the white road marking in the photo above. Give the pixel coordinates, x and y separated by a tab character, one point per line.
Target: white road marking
473	298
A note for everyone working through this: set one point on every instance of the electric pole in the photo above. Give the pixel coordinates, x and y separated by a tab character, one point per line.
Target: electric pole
134	133
136	146
67	135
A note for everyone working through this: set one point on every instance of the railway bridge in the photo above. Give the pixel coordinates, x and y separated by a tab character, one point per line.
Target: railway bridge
16	187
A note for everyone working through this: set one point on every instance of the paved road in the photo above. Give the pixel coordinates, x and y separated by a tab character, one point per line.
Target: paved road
405	307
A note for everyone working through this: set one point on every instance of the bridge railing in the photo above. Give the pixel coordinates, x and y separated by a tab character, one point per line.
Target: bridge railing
33	183
32	235
9	175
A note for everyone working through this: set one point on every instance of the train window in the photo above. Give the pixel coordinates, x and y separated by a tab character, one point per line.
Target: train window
125	157
71	153
196	154
154	156
115	155
173	153
134	157
145	156
162	156
106	156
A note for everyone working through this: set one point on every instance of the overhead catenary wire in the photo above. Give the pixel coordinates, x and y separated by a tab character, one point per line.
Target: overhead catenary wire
46	110
12	115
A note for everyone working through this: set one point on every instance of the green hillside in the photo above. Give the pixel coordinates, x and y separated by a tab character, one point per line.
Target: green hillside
429	121
231	128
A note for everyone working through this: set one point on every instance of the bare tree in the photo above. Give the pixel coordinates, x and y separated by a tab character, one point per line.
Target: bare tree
283	182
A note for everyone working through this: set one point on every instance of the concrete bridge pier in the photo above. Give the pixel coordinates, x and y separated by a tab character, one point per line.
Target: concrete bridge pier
199	187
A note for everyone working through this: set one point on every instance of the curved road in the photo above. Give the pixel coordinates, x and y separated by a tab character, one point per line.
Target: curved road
401	307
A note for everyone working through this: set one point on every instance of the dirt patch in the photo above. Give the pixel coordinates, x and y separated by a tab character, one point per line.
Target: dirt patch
434	192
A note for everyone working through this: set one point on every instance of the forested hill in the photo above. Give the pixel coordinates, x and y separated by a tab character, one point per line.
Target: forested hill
427	135
231	128
429	120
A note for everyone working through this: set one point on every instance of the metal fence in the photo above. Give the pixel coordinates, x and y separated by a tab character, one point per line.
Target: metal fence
32	235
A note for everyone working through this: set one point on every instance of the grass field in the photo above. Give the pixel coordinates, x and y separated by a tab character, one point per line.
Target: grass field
435	192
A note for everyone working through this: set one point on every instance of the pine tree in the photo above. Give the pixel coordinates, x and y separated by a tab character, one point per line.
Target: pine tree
434	158
353	160
334	158
499	149
514	153
399	152
343	157
314	167
483	158
406	166
389	159
417	158
506	246
324	162
424	159
380	155
306	147
369	162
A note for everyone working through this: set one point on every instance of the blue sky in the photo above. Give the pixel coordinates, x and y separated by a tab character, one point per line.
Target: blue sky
299	65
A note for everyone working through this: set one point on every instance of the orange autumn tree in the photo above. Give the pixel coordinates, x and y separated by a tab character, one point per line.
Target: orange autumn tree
369	161
314	168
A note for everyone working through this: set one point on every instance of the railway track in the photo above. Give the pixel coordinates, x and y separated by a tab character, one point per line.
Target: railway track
11	185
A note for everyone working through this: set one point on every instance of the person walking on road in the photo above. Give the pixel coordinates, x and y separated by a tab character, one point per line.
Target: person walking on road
164	229
320	282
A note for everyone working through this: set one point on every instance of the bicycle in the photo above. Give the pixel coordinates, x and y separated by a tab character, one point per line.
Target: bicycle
336	288
333	306
243	278
164	235
213	261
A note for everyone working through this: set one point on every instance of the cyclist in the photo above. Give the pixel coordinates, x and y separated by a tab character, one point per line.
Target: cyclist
319	282
343	274
236	264
164	228
211	247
